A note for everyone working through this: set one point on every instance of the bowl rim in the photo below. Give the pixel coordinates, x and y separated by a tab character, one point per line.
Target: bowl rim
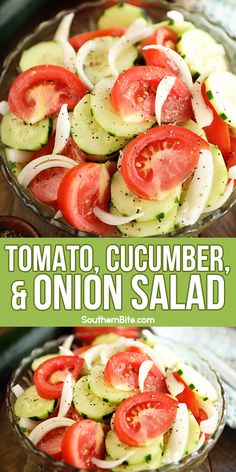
42	210
185	461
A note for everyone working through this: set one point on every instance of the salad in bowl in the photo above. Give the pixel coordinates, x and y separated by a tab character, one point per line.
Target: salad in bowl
126	129
120	403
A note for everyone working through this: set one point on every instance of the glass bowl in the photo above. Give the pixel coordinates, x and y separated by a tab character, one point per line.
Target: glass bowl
86	16
40	462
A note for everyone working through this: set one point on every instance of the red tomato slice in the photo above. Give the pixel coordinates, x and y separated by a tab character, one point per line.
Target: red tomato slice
81	442
134	93
203	416
87	335
52	442
188	397
50	375
160	159
42	90
218	132
78	40
144	417
83	188
164	37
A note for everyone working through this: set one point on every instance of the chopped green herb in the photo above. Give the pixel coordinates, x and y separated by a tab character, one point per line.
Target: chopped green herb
196	76
180	372
148	458
223	116
160	216
192	386
210	94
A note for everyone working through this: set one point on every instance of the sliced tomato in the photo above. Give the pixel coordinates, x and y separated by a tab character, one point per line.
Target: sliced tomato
50	375
42	90
78	40
144	417
160	159
218	132
82	189
134	94
188	397
81	442
52	442
164	36
87	335
203	416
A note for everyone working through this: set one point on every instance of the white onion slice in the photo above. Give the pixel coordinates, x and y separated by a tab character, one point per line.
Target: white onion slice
68	341
4	108
28	424
232	172
45	162
174	387
163	90
69	55
48	425
114	220
110	464
62	130
92	354
83	52
63	30
64	351
179	61
209	426
66	397
198	191
58	215
179	436
17	390
135	33
176	16
144	370
19	157
200	443
203	114
222	200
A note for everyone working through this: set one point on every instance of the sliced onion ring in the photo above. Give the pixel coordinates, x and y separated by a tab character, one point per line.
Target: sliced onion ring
17	390
91	354
62	130
232	172
48	425
174	387
200	443
209	426
28	424
64	351
63	30
69	341
179	436
144	370
42	163
66	397
110	464
222	200
114	220
176	16
69	55
163	90
179	61
203	114
83	52
4	108
19	157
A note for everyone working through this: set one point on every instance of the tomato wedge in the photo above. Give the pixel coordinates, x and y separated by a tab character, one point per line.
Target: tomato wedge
50	375
42	90
78	40
52	442
134	94
160	159
164	36
83	188
81	442
188	397
144	417
87	335
218	132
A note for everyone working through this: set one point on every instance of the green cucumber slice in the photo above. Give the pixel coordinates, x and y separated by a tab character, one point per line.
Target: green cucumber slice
220	176
88	404
221	91
15	167
161	226
129	204
31	405
26	137
199	384
105	114
117	449
153	464
193	126
37	362
96	66
46	52
120	16
102	389
178	28
109	338
193	434
199	49
89	135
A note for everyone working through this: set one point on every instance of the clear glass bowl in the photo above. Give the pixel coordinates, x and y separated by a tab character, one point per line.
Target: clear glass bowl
38	461
86	16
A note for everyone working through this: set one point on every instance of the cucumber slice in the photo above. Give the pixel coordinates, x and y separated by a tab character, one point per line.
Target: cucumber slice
89	135
96	66
117	449
31	405
19	135
152	464
221	91
199	384
200	51
37	362
109	338
102	389
88	404
128	204
120	16
46	52
149	228
193	126
220	176
105	114
15	167
178	28
193	434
